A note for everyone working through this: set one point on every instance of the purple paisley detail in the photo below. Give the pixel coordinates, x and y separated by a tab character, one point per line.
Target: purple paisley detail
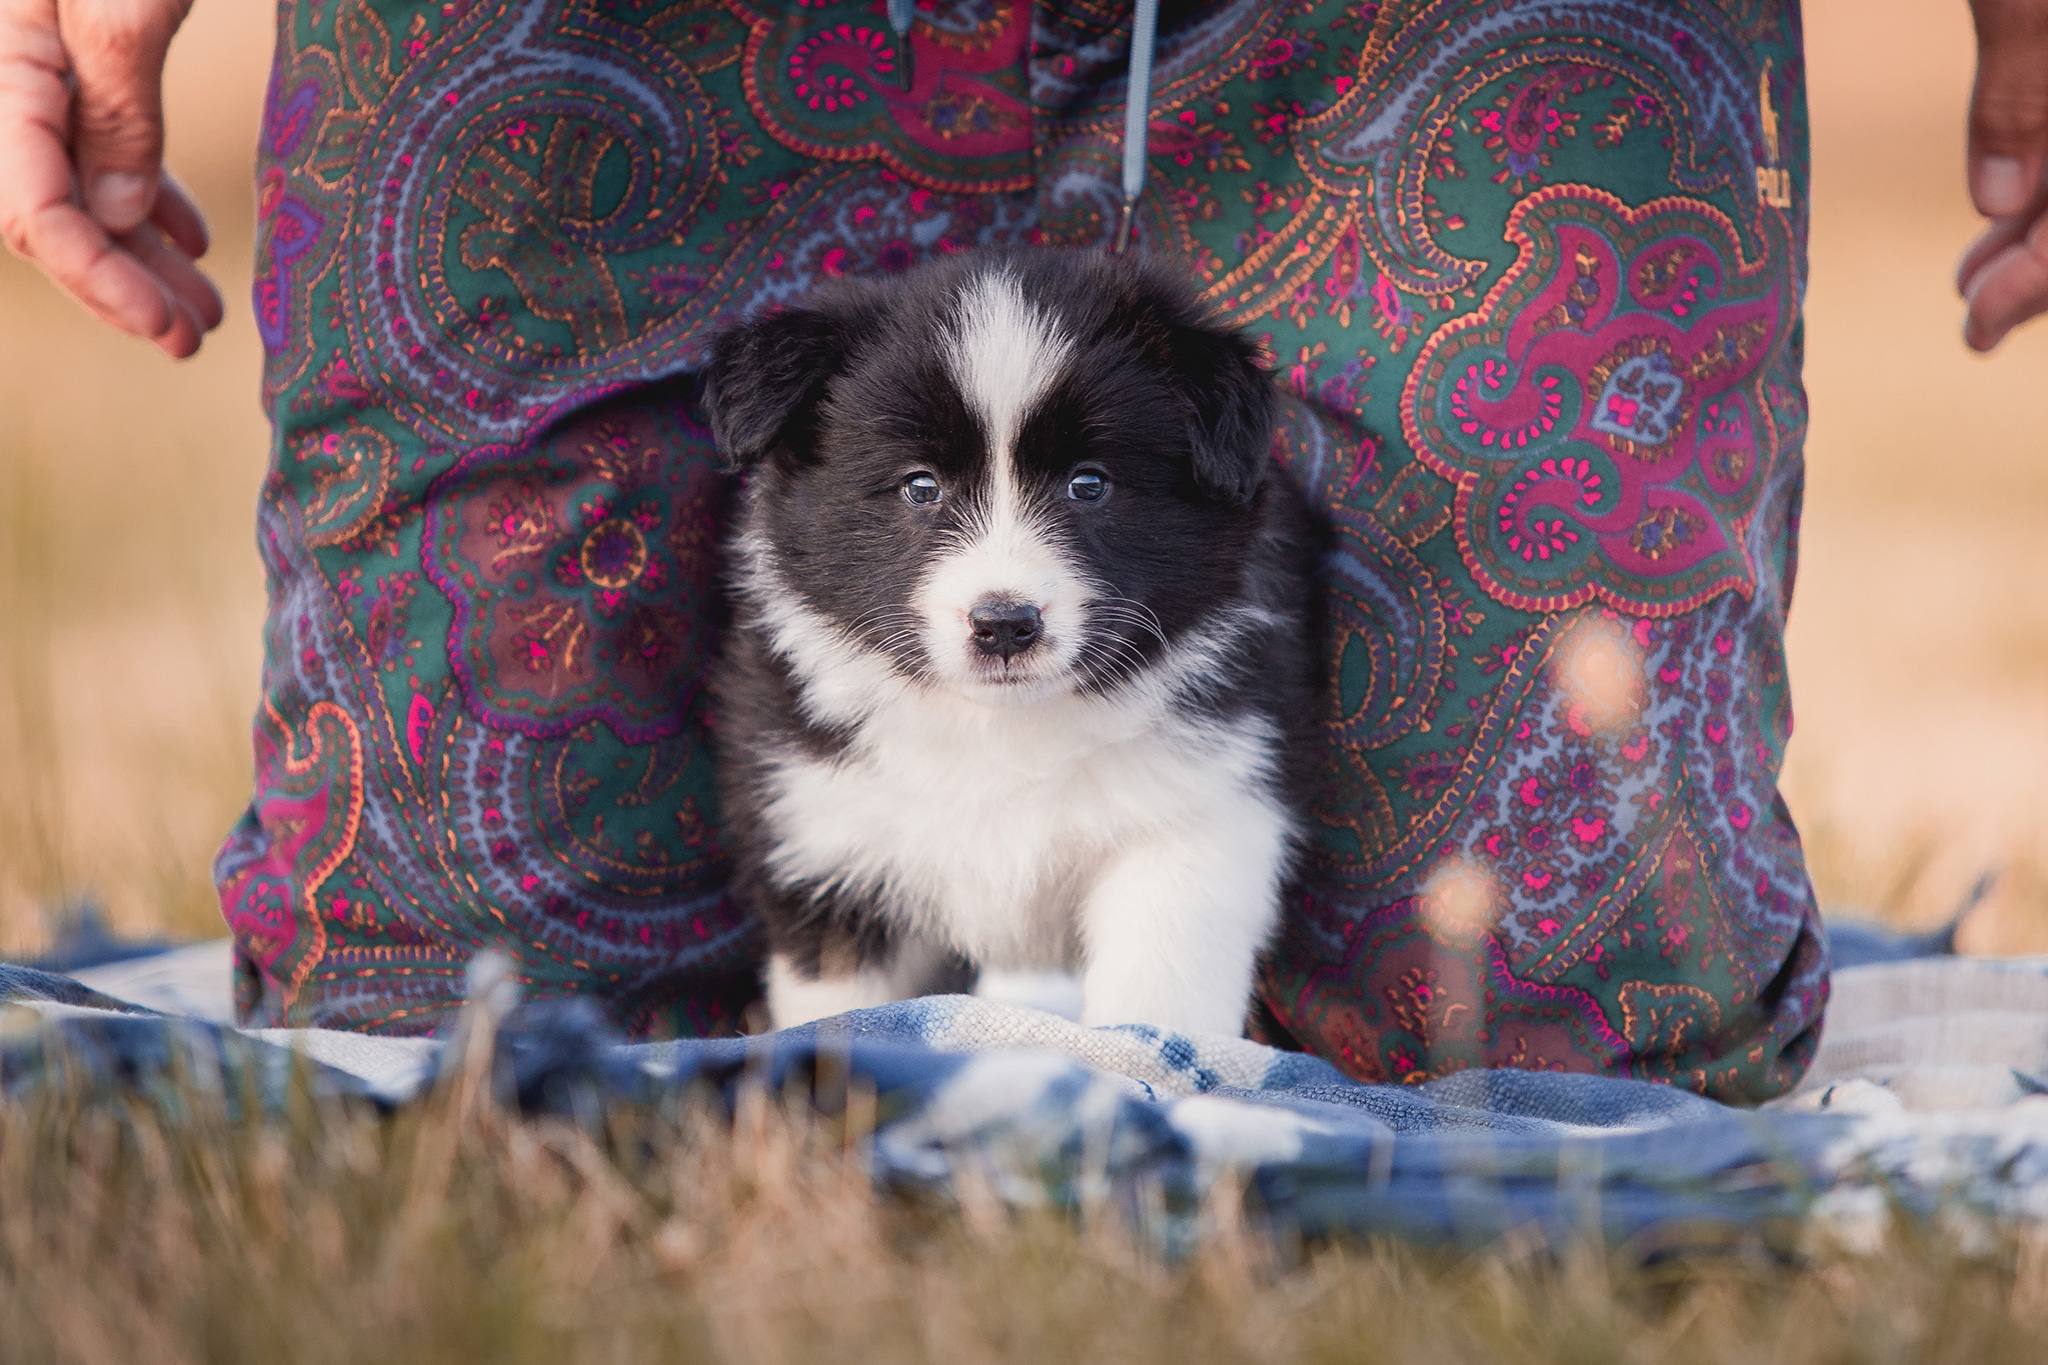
287	121
291	228
610	78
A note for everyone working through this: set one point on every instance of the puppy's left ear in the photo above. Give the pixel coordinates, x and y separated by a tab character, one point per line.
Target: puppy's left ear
767	379
1233	407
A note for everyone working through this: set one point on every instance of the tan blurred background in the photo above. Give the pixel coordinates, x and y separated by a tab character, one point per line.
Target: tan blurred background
130	596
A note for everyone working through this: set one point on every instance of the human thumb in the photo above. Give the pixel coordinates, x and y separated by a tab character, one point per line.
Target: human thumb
117	49
2009	106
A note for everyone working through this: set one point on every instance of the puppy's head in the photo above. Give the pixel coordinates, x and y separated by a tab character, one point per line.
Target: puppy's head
1011	475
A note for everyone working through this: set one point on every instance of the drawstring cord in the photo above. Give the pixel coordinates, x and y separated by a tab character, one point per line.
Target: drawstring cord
1137	99
1137	117
901	13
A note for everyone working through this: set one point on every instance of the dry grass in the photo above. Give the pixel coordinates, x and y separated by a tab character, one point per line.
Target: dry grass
451	1233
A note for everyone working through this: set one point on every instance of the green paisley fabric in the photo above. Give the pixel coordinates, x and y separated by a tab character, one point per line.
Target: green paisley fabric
1529	270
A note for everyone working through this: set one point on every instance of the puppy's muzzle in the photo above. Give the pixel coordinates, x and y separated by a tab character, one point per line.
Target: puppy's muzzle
1005	629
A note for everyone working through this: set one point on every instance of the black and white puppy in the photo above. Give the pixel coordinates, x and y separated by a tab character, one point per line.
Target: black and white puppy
1020	672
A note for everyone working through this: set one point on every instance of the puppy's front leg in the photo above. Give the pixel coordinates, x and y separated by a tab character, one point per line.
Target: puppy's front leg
1173	928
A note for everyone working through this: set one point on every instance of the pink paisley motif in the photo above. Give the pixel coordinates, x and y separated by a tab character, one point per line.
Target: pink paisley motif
1429	1000
298	832
1597	410
1525	125
825	82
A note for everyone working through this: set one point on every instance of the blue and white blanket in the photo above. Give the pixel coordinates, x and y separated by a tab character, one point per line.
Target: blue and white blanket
1925	1097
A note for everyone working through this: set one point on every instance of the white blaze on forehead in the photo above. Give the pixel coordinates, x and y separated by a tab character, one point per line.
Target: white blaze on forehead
1003	353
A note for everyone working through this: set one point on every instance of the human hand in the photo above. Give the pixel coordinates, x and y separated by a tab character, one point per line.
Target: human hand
2004	274
83	192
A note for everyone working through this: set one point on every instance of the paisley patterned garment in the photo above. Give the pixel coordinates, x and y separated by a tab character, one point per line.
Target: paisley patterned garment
1530	269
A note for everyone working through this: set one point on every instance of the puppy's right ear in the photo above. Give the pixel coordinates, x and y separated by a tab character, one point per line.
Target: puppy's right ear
767	379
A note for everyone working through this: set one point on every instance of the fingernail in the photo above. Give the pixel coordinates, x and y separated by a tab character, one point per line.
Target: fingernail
2001	188
1975	335
119	199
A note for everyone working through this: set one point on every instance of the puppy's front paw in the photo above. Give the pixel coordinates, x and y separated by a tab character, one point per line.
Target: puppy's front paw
1174	929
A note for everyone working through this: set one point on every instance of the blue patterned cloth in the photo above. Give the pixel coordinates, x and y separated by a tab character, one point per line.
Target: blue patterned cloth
1048	1113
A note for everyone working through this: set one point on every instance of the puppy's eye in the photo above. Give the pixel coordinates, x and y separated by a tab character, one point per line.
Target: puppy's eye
1087	486
921	490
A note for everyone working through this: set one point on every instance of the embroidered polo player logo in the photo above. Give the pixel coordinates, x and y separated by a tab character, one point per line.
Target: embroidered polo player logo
1773	182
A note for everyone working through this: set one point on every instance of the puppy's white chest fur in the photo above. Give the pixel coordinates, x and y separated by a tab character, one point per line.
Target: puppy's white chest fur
987	828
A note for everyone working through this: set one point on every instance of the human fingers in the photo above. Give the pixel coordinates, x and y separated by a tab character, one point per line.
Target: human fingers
76	252
180	218
116	50
38	219
2008	105
2007	290
1999	234
1992	243
181	340
187	285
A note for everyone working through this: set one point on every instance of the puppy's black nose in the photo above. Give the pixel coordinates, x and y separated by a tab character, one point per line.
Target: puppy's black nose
1005	629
